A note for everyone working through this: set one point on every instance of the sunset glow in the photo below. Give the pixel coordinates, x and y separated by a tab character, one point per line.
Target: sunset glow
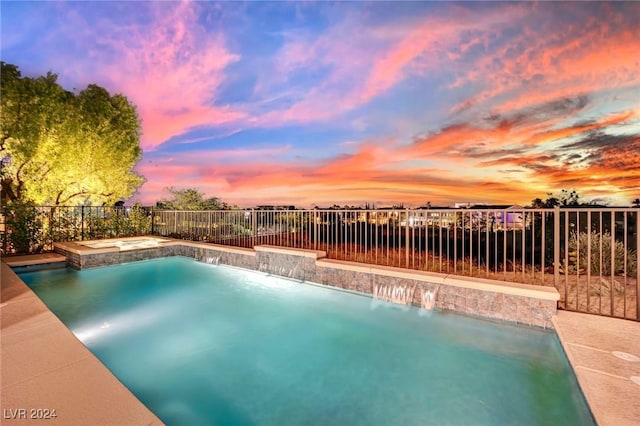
353	103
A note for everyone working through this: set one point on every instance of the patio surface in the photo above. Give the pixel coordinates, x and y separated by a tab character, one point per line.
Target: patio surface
44	366
606	380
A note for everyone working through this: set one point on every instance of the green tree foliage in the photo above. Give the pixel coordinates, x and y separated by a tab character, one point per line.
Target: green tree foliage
59	148
190	199
23	227
119	222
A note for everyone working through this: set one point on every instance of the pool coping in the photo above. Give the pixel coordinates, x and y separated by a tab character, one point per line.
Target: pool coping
34	259
589	342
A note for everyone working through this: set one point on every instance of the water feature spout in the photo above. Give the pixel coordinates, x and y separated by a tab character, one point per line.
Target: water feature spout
394	293
213	260
429	298
292	272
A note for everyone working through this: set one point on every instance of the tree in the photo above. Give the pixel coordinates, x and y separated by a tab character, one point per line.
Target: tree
190	199
537	203
636	202
57	147
569	198
563	199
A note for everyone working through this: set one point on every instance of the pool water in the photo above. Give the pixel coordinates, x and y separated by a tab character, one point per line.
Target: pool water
213	345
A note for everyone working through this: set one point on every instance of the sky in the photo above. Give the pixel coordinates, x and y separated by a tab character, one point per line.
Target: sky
323	103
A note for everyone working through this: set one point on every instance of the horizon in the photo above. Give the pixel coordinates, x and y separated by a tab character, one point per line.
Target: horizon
403	206
352	103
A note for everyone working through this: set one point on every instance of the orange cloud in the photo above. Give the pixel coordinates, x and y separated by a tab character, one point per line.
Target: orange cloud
537	67
369	175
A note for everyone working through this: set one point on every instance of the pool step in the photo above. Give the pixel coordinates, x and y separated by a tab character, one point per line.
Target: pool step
39	267
34	259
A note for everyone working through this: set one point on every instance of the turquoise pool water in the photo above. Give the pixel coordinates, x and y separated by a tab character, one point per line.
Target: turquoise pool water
213	345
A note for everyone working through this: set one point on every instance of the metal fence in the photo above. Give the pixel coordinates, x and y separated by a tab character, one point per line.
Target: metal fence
590	255
27	229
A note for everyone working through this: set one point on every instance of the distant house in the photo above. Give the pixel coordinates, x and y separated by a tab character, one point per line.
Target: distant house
433	216
275	207
501	216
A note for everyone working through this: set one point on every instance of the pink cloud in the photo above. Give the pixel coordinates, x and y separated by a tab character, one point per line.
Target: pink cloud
170	68
387	68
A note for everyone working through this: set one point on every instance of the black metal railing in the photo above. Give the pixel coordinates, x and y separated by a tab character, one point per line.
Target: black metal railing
28	229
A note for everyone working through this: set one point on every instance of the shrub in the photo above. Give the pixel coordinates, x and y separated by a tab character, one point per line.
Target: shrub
63	225
139	220
23	228
601	244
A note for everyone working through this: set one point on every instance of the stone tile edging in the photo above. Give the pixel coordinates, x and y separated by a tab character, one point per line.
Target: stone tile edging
315	254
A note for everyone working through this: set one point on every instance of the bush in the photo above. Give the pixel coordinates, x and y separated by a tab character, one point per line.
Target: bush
63	225
23	228
579	254
117	222
32	229
139	220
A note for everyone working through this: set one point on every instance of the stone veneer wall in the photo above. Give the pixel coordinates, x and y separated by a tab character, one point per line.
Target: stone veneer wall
296	264
517	308
80	257
530	305
243	258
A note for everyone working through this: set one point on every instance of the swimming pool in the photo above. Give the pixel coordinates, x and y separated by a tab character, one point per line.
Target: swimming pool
200	344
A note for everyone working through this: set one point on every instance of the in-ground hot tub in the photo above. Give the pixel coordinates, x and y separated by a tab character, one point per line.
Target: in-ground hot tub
125	243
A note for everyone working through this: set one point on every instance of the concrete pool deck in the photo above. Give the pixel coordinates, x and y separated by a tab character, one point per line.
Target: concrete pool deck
606	379
44	366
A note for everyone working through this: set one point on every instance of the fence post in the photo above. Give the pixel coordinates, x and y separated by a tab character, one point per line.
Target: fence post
316	228
556	247
254	226
637	263
406	237
82	223
153	220
175	222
